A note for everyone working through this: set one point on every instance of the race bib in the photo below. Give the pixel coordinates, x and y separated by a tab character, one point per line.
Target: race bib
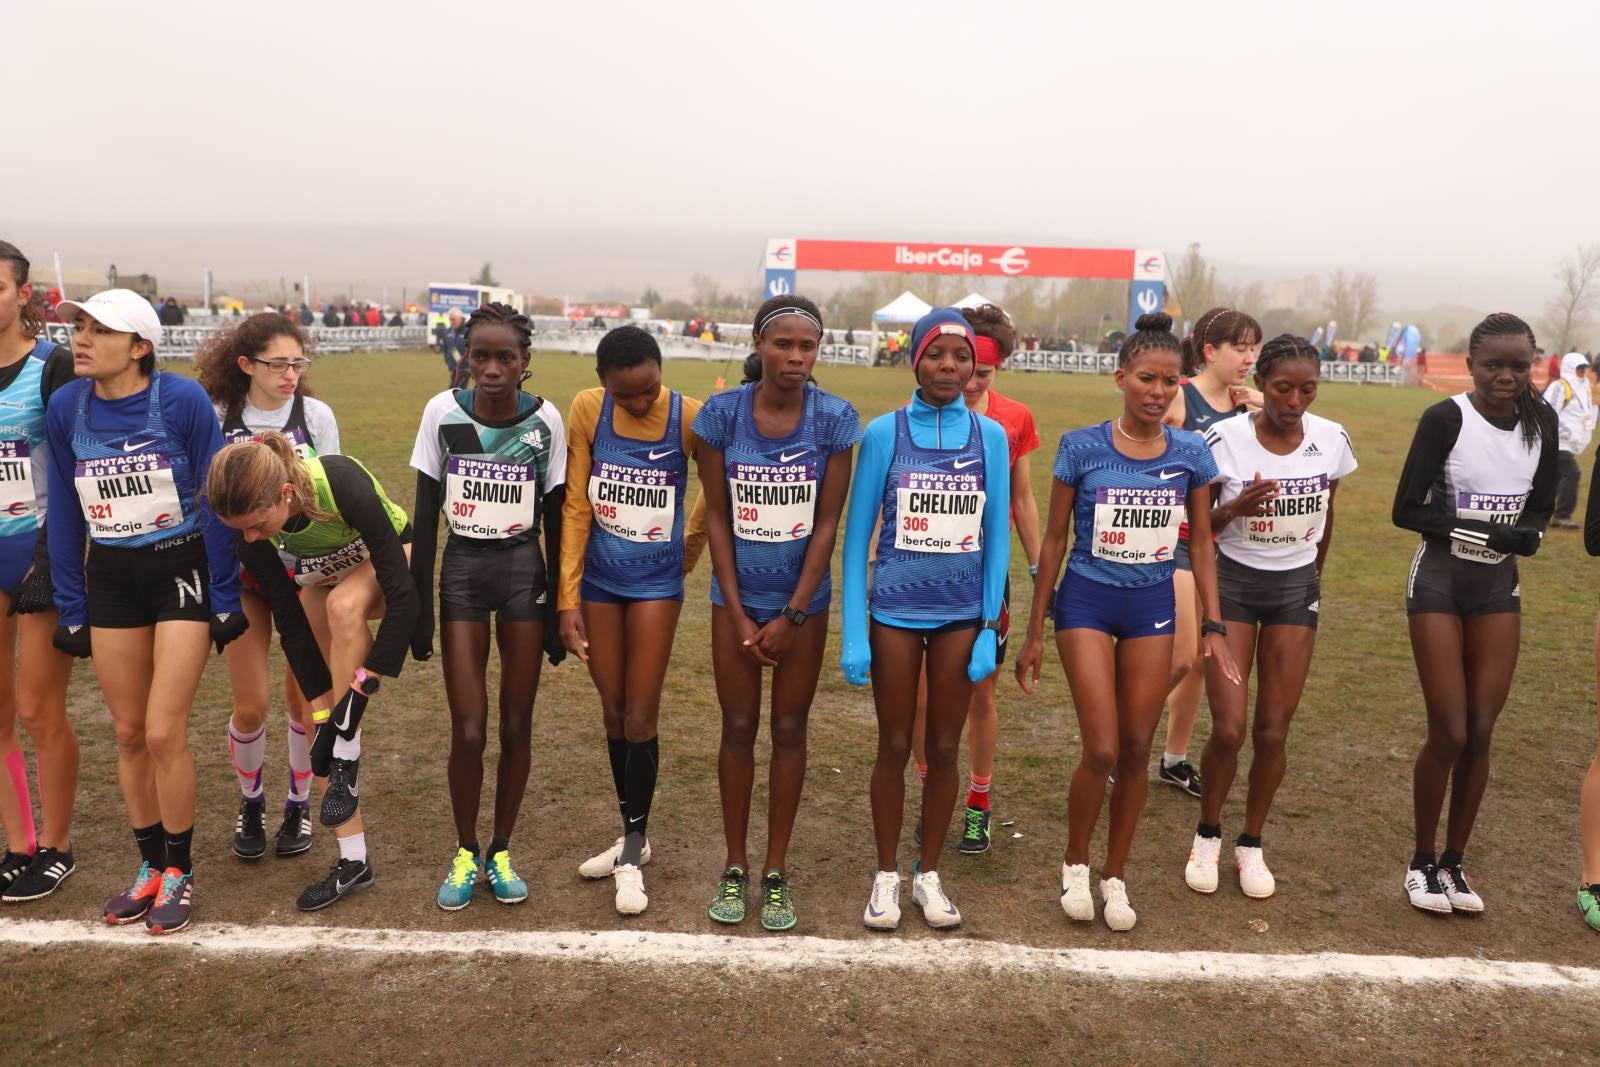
1297	515
296	436
17	499
125	496
939	511
489	498
773	503
330	568
1486	507
633	503
1137	525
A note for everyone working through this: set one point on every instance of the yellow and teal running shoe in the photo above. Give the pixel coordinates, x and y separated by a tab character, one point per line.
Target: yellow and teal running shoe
1589	904
508	888
728	905
456	893
777	903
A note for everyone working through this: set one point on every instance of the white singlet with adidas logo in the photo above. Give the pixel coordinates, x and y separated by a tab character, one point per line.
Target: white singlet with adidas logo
1488	476
1288	537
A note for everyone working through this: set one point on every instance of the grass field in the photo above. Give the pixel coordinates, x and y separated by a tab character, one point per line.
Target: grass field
1338	841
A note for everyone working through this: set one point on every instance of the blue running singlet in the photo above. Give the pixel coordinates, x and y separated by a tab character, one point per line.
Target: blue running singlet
636	491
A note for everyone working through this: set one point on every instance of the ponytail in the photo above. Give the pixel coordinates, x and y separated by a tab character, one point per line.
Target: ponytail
248	476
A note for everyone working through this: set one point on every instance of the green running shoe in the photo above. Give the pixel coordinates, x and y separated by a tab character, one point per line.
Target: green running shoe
728	905
777	903
1589	905
508	888
456	893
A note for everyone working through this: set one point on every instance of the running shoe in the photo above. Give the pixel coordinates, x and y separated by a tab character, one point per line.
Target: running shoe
1425	891
1119	914
174	904
294	833
728	905
883	907
937	908
629	882
456	892
1255	880
975	838
250	830
343	796
1181	774
347	876
131	906
508	887
605	864
1076	900
1200	873
1589	905
1453	880
13	865
777	903
50	867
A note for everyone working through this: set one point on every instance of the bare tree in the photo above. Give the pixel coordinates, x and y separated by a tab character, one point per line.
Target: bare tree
1578	291
1196	282
1352	301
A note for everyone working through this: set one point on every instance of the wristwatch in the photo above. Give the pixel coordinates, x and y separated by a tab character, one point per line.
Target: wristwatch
796	617
990	624
1212	626
367	683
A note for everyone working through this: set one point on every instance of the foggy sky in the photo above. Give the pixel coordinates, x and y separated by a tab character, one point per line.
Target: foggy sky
1445	147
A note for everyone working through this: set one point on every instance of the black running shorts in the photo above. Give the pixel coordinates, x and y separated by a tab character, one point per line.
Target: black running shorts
1268	598
507	582
133	587
1439	583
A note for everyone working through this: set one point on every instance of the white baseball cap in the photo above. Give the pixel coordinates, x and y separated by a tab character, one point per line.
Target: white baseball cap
120	309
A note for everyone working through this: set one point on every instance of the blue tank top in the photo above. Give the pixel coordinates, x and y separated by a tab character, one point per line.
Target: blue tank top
636	490
136	489
930	547
24	474
1198	415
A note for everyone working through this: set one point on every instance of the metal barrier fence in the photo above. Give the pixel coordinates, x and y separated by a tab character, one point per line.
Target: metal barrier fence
182	342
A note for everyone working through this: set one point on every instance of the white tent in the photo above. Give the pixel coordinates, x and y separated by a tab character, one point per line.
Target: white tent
972	300
907	307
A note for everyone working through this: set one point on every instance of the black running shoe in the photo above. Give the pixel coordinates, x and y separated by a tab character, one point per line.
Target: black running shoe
343	796
294	835
50	867
12	866
975	838
1181	774
347	876
250	830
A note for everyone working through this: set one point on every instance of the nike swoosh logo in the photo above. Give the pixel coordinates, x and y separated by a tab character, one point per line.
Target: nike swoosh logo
785	457
662	455
340	887
960	463
874	912
634	819
134	446
342	726
1161	625
1167	476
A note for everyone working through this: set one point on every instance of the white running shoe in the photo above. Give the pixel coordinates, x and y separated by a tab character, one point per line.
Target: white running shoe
883	907
1076	900
929	895
630	890
1200	873
1425	891
605	864
1458	890
1118	912
1255	880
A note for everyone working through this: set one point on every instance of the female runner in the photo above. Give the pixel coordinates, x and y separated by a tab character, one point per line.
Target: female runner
1273	513
255	375
1122	487
350	544
35	690
494	460
132	445
774	461
1217	358
939	476
627	548
1479	486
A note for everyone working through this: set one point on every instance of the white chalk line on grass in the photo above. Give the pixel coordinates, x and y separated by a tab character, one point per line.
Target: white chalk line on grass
800	953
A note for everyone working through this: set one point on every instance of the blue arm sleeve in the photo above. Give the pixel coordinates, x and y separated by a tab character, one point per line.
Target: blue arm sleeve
866	498
202	437
66	528
996	543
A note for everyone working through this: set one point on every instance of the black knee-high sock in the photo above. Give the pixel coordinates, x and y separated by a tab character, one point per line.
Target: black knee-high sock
639	784
617	749
152	846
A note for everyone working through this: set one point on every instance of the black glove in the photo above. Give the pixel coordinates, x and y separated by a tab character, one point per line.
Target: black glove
554	650
73	640
343	721
227	627
422	639
1513	540
34	595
